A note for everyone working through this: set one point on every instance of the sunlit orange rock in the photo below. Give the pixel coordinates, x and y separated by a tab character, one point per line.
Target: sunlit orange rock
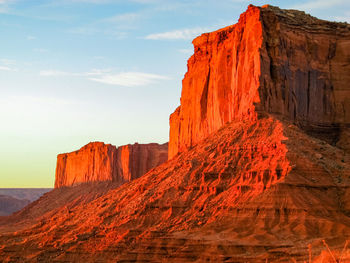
134	160
273	60
241	194
257	189
97	161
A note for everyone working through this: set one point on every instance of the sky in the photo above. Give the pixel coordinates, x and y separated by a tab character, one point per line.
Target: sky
76	71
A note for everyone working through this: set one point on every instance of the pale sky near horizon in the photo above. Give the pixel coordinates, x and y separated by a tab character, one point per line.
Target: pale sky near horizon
75	71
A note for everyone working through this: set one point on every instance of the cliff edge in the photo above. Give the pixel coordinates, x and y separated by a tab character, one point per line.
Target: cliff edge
276	61
97	162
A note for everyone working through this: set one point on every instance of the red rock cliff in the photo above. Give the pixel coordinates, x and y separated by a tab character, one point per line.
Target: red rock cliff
273	60
104	162
135	160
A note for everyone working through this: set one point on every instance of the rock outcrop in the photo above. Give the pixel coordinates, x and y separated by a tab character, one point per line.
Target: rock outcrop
244	194
277	61
253	186
97	162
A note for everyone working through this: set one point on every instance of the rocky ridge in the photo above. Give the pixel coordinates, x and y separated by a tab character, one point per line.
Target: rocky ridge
277	61
244	182
253	191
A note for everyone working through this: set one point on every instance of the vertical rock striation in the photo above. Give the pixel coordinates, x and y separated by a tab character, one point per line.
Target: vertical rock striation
278	61
134	160
221	83
97	161
305	71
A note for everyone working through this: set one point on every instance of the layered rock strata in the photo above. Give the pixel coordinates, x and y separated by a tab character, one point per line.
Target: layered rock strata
244	194
276	61
97	161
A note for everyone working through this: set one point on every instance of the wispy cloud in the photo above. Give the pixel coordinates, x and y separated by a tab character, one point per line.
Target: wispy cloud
126	17
5	68
92	30
116	26
56	73
187	33
98	72
7	64
106	76
7	61
4	5
129	79
41	50
31	37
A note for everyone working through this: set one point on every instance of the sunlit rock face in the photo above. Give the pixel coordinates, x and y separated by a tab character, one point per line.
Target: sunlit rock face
97	161
257	189
134	160
272	60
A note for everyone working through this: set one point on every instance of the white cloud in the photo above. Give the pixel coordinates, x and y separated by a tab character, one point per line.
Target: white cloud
8	62
55	73
105	76
5	68
188	33
129	79
127	17
116	26
97	72
92	30
4	6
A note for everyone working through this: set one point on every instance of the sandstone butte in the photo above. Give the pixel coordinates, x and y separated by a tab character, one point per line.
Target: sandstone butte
259	169
276	61
97	161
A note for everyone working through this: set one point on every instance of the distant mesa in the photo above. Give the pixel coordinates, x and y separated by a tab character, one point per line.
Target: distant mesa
14	199
276	61
9	204
97	161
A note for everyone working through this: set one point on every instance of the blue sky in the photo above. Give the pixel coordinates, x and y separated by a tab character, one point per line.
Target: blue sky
75	71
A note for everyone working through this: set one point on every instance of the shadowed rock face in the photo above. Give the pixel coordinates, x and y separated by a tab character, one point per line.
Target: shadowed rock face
272	60
97	161
134	160
305	65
